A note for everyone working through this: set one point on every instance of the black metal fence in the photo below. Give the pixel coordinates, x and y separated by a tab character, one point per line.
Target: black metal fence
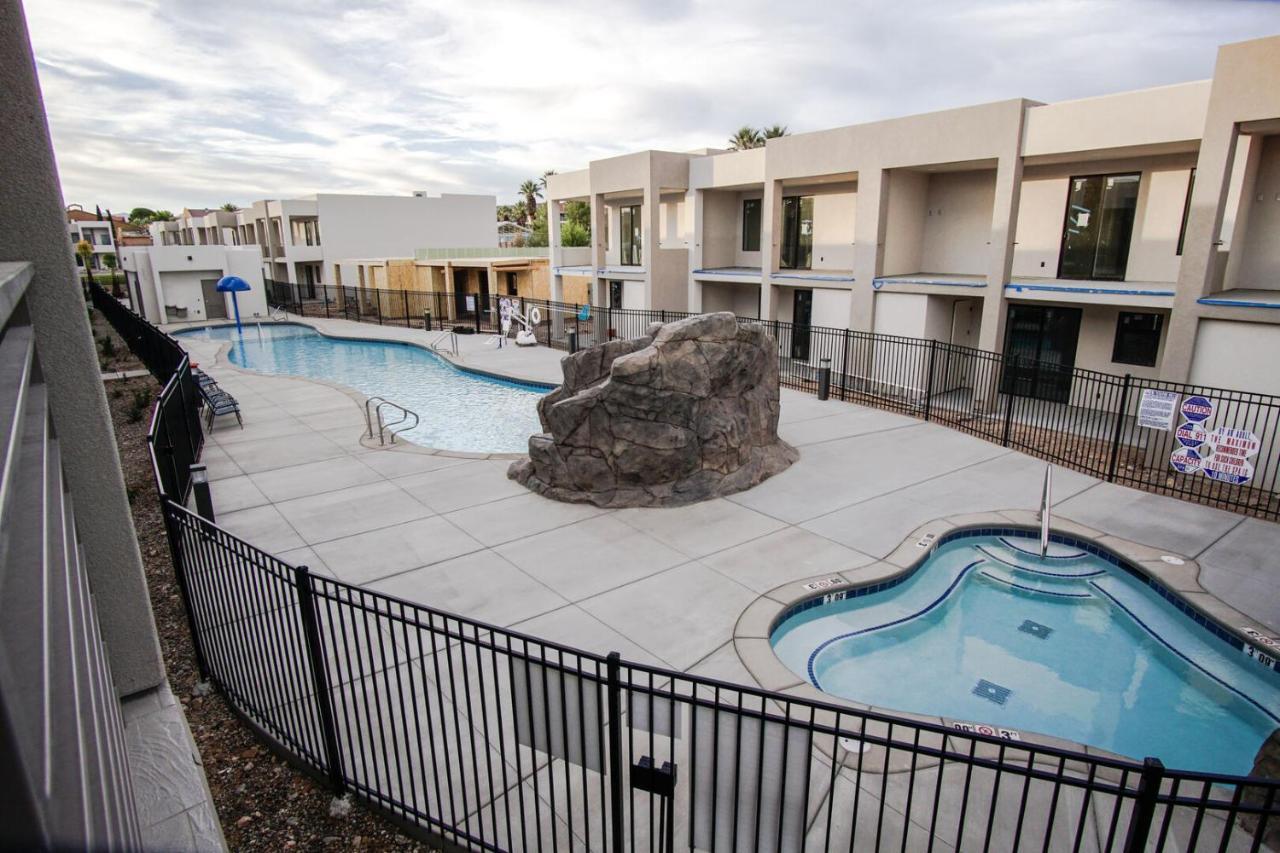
1081	419
489	739
174	435
495	740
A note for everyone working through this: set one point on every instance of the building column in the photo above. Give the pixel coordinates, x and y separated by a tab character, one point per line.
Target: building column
770	245
1200	257
33	228
650	234
870	220
1004	220
599	244
697	200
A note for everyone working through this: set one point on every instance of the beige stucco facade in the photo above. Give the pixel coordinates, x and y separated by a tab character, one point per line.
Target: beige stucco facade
1156	209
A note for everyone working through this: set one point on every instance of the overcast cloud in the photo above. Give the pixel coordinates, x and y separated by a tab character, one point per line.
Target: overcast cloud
171	103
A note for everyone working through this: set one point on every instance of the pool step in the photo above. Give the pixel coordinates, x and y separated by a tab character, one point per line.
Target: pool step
1026	546
1032	566
1000	576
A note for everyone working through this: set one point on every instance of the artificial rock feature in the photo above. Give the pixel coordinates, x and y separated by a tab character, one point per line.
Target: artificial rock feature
686	413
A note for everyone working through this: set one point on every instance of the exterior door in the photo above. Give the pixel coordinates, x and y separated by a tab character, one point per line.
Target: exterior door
801	320
1098	227
1040	351
215	303
615	294
797	233
483	306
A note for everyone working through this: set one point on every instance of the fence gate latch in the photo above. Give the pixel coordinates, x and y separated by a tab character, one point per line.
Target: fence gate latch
654	780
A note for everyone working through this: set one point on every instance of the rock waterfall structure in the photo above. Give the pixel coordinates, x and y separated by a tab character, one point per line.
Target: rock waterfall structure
685	413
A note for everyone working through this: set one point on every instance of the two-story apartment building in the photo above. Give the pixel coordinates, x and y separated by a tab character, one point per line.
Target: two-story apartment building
307	241
1132	233
94	230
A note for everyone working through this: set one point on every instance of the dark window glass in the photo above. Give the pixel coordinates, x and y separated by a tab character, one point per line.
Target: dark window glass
615	294
1186	211
751	225
629	226
797	232
1137	338
1099	227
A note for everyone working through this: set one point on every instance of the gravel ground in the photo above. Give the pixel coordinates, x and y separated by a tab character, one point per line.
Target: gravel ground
262	802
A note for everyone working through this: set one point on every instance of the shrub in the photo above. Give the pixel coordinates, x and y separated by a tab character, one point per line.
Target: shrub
138	408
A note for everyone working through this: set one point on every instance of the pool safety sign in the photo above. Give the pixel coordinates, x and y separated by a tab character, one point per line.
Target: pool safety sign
1156	409
1220	453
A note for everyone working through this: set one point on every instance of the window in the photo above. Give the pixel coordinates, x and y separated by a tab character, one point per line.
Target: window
1186	211
1098	227
751	225
797	232
1137	338
615	294
629	226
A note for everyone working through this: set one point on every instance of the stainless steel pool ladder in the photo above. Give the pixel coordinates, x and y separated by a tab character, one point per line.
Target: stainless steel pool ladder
453	342
1046	498
407	420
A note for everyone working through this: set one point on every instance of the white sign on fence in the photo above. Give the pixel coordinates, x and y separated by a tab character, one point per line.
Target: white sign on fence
1157	409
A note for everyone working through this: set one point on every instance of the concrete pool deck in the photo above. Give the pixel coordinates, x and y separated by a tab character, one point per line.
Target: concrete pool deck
672	586
662	586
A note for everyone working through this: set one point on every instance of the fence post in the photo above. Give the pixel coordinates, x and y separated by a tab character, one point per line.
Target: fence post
1008	417
477	315
1115	436
928	384
844	365
614	684
324	288
377	305
1144	806
319	676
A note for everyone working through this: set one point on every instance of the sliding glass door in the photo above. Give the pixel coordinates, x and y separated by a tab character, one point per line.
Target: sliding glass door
1040	351
1099	227
797	232
629	221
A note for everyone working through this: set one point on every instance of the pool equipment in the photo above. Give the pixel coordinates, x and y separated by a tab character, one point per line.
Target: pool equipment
508	312
234	285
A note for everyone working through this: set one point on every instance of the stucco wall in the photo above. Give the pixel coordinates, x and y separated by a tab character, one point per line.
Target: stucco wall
1260	248
741	299
357	226
1237	355
904	232
957	222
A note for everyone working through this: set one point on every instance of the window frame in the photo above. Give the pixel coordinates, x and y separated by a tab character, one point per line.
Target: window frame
758	204
1186	213
630	237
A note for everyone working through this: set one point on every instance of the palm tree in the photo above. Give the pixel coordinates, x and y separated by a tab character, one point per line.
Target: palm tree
746	137
542	182
230	207
775	131
85	250
531	191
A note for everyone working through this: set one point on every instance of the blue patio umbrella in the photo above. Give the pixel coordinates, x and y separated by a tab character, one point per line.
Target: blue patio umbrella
233	284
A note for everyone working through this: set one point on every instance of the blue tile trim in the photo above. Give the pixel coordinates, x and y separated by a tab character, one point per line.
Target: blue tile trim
812	277
828	642
1236	303
1018	287
1075	556
878	283
998	559
1173	649
1033	589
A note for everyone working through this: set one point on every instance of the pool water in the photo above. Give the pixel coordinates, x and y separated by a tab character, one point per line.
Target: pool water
459	410
1071	645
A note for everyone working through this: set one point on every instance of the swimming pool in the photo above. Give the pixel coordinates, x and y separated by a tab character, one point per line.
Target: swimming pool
1076	645
458	410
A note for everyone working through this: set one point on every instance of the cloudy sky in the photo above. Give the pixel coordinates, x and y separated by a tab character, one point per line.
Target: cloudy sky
173	103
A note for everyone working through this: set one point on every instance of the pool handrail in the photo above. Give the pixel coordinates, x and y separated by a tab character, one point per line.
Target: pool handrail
408	419
1046	497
